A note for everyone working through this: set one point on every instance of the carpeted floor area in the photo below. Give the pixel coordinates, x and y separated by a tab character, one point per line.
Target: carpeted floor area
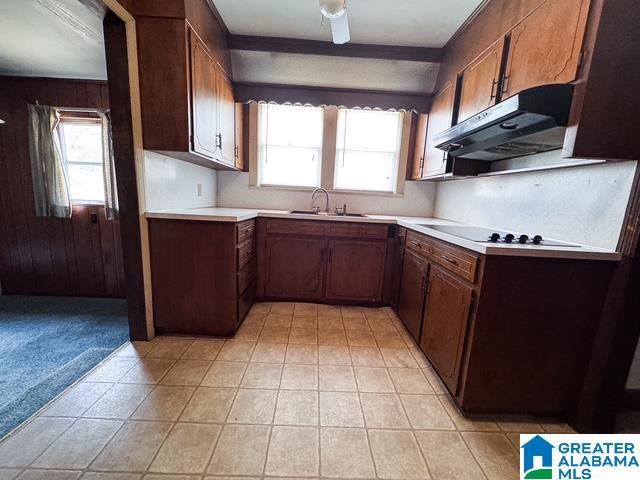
47	343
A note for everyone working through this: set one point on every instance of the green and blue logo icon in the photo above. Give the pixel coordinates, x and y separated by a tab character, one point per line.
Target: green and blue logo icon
537	459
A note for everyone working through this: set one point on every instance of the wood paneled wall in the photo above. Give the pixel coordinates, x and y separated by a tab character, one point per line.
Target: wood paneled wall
50	256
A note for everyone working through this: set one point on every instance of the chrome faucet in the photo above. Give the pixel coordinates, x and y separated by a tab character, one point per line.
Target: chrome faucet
313	200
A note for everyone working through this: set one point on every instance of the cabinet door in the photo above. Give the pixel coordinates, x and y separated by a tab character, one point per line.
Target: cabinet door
546	46
412	292
226	119
445	324
440	118
294	267
479	82
396	269
356	270
203	99
239	136
418	151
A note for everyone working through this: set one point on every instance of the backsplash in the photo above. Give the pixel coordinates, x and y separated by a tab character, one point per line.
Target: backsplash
234	191
581	204
172	183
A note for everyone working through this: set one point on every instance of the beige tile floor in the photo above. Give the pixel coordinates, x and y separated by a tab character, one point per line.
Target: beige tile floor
301	391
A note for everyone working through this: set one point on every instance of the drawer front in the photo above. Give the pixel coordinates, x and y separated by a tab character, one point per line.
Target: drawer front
358	230
454	260
418	243
246	252
245	230
246	275
245	301
297	227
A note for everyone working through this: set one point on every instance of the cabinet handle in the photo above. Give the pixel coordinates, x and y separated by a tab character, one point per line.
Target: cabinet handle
219	141
414	243
449	259
494	89
505	82
235	152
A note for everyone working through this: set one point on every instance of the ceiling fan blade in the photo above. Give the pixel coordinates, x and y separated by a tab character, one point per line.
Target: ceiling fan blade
340	29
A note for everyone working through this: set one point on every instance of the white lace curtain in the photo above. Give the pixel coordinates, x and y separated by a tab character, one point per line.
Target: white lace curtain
49	166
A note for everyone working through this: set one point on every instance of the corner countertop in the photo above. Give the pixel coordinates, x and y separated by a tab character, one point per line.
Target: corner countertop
418	224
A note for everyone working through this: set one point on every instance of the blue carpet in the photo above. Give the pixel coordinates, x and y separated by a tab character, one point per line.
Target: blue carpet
47	343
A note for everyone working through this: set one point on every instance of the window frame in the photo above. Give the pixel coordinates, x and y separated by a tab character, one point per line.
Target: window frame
329	151
80	116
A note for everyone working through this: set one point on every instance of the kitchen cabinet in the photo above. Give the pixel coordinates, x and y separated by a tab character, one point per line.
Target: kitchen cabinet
187	98
479	82
203	275
417	161
445	323
397	249
331	261
412	292
355	270
239	136
294	267
440	118
546	46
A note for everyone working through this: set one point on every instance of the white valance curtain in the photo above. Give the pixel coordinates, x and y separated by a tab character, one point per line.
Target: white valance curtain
49	166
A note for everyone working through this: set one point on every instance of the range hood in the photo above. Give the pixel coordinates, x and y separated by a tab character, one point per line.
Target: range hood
532	121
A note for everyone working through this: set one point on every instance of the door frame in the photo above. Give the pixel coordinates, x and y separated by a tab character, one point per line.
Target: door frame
125	93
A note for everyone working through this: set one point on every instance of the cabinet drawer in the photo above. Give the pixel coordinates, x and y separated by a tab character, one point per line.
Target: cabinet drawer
357	230
245	230
297	227
454	260
246	275
418	243
245	301
246	252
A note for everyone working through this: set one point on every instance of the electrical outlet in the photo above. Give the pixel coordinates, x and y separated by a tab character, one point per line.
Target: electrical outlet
199	189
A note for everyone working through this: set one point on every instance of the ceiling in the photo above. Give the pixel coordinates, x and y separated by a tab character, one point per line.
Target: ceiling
52	38
417	23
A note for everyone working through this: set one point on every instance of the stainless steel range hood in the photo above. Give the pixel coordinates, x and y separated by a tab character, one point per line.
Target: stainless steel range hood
531	122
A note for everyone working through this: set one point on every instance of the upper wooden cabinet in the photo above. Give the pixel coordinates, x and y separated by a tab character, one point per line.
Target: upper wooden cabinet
546	47
239	136
187	98
418	151
440	118
479	82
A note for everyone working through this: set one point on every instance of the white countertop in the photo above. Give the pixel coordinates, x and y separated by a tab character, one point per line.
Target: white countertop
417	224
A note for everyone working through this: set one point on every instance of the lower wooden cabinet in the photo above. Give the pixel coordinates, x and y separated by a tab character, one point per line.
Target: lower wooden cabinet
330	261
356	270
294	267
412	293
445	323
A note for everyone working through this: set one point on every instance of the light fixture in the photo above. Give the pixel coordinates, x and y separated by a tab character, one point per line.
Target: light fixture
336	12
333	8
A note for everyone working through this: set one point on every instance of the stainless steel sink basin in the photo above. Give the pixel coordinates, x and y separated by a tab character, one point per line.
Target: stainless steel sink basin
311	212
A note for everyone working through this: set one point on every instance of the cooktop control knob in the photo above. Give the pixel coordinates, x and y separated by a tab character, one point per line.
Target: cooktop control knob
508	238
494	237
537	239
523	239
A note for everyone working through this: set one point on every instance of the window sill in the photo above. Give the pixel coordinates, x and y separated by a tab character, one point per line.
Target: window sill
309	190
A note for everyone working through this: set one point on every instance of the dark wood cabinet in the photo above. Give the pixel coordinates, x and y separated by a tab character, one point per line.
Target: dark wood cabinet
239	137
226	121
397	253
355	270
440	118
329	261
445	323
204	102
412	292
294	267
479	82
417	160
546	47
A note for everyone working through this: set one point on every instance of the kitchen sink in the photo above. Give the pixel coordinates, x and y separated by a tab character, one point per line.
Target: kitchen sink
311	212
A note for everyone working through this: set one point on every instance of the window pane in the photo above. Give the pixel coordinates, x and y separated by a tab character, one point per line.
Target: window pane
86	182
368	145
83	148
366	171
290	145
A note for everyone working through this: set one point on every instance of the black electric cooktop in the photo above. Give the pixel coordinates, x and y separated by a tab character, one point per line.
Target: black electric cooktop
487	235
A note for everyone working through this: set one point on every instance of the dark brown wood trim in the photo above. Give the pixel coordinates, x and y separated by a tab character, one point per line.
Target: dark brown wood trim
604	387
470	19
316	47
115	37
219	18
248	92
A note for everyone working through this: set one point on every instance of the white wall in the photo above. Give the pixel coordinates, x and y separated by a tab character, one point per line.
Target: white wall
580	204
172	183
234	191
